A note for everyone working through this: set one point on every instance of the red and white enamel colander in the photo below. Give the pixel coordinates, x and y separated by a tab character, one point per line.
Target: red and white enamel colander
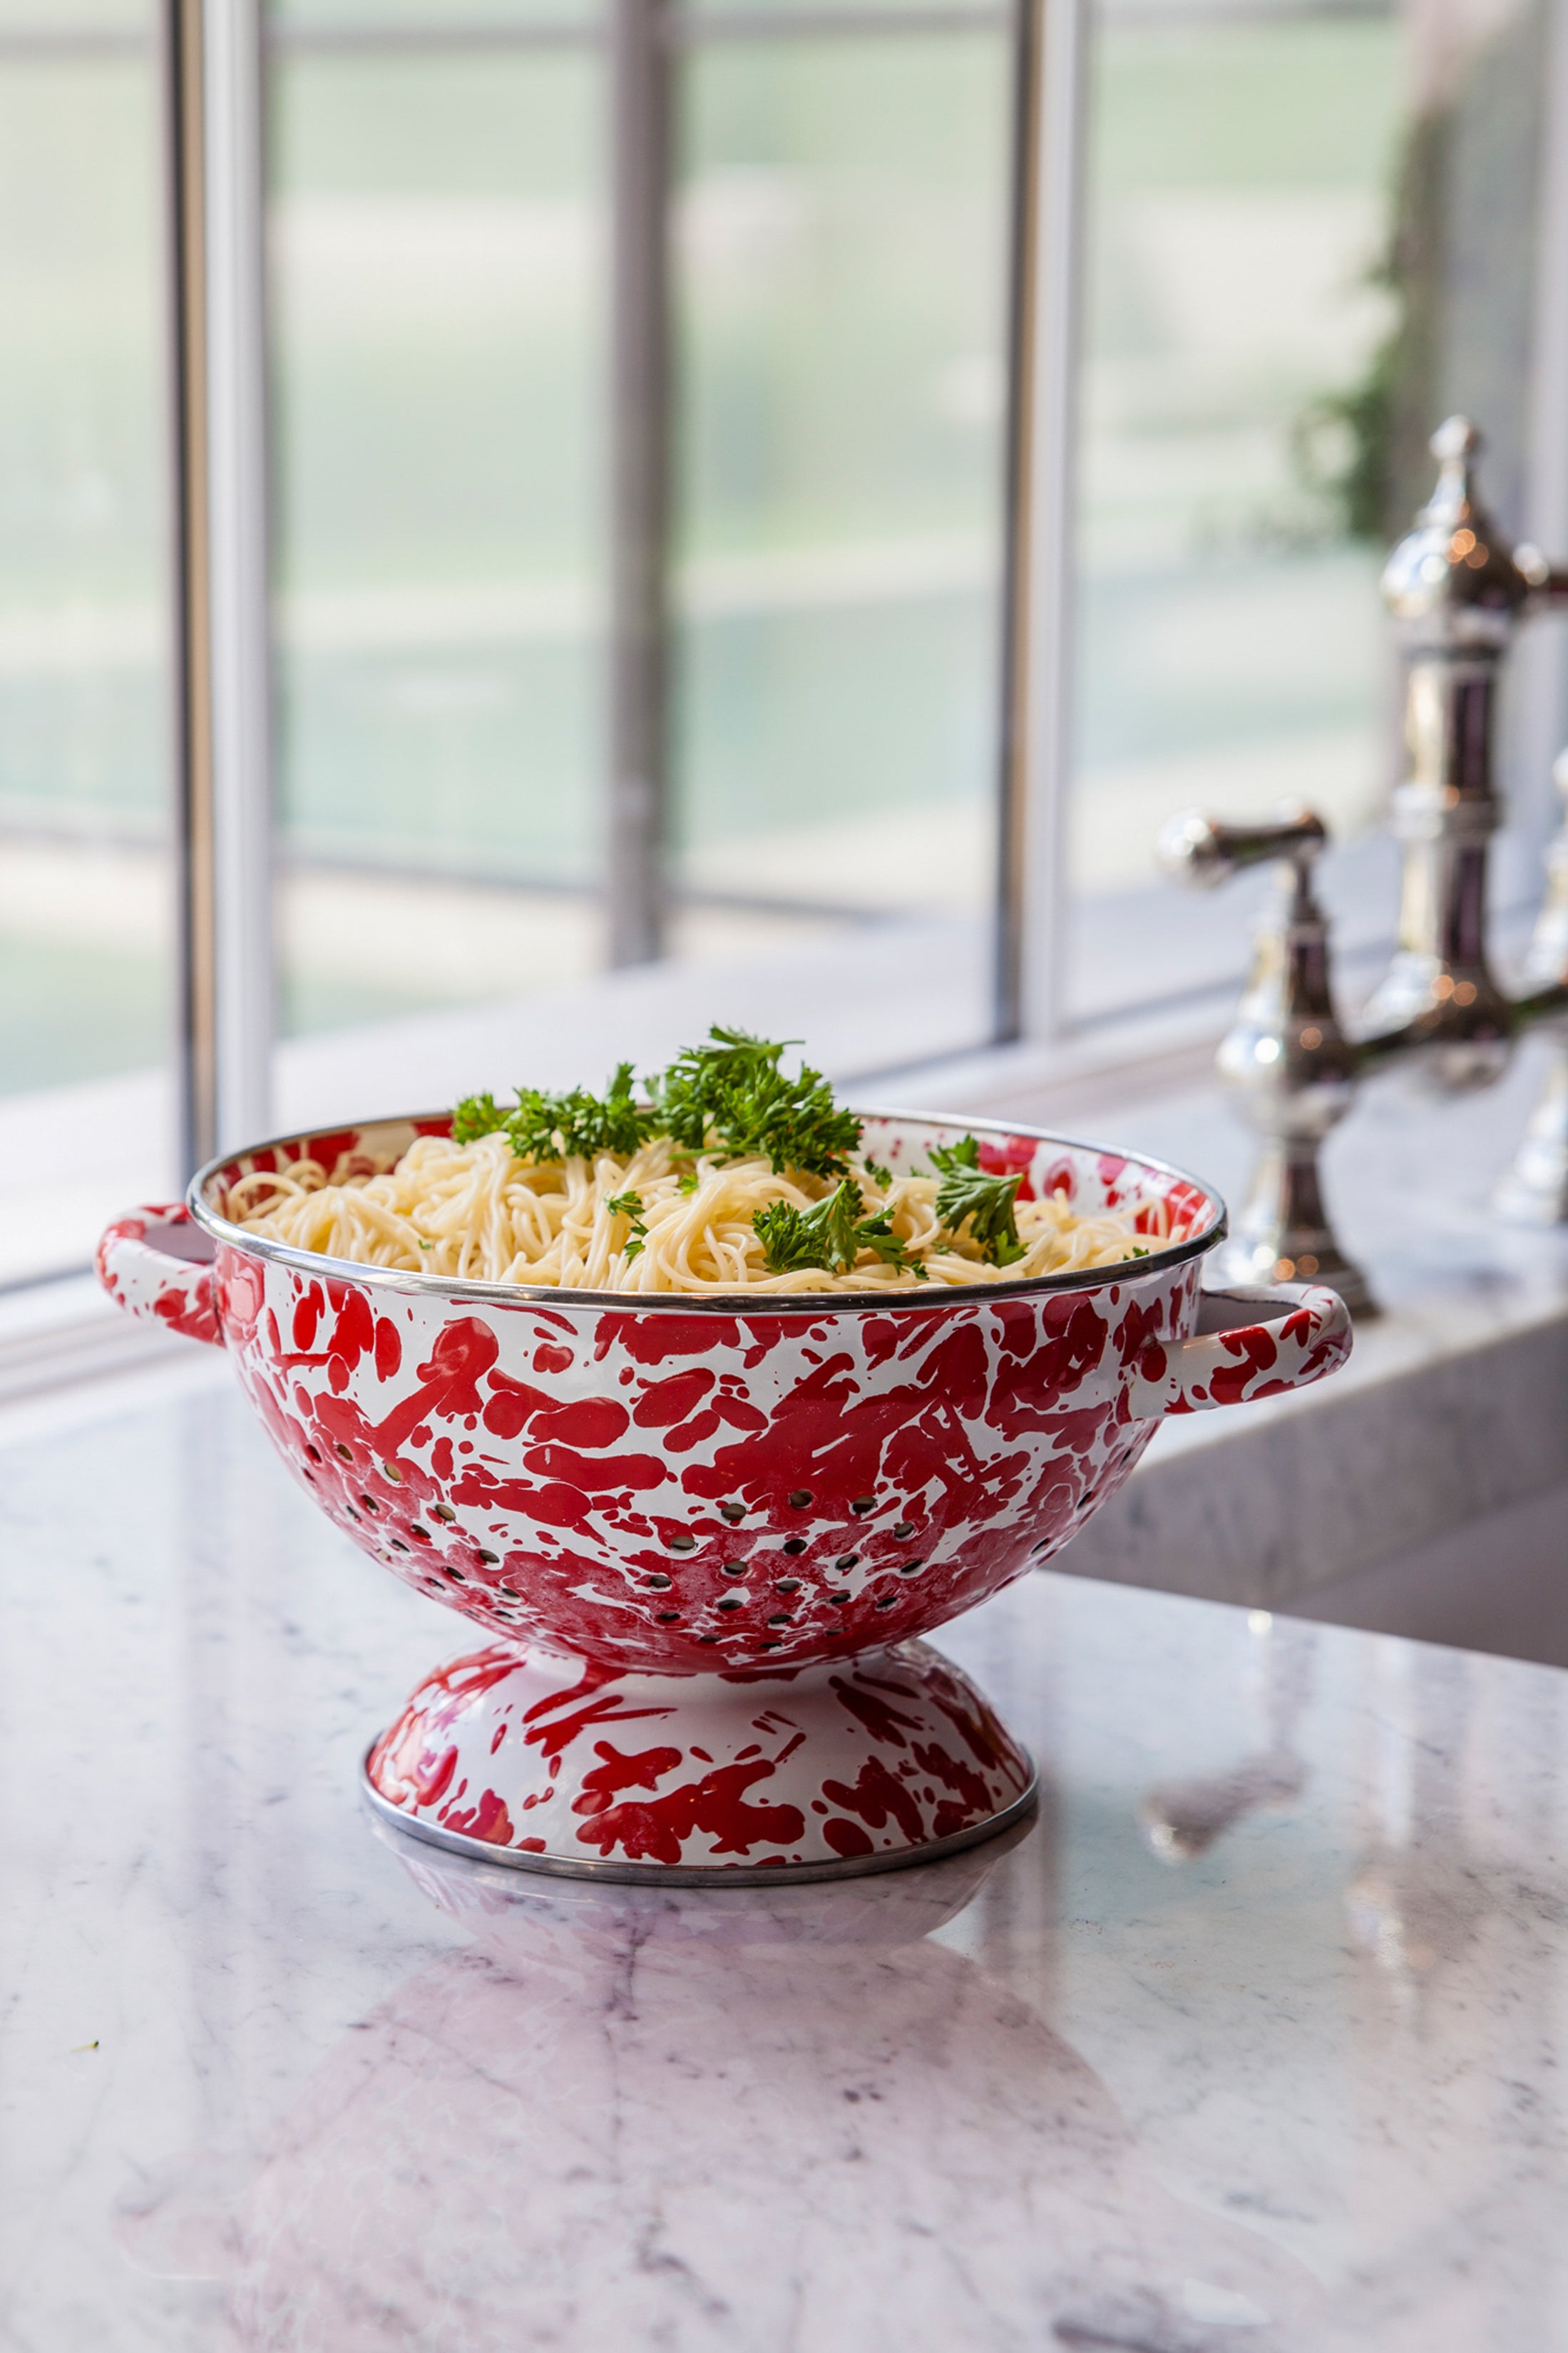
703	1536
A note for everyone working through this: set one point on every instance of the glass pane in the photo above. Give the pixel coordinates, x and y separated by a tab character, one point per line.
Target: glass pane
1309	239
436	277
705	12
364	19
85	937
439	281
76	27
842	248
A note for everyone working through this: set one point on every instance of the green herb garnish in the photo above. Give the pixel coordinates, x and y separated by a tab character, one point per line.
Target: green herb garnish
830	1234
877	1234
988	1203
629	1205
475	1116
729	1096
874	1169
558	1126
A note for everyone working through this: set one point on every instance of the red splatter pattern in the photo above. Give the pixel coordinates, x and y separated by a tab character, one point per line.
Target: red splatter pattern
671	1491
702	1771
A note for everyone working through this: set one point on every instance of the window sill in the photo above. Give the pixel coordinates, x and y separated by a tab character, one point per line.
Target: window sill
66	1335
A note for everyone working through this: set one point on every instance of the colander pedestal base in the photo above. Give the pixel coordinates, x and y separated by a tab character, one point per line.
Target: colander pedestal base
865	1764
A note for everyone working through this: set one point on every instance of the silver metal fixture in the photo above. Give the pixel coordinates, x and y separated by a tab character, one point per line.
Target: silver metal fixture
1457	593
1289	1064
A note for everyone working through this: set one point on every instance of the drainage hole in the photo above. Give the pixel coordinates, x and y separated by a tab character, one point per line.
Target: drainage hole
903	1532
667	1616
732	1568
839	1597
659	1584
731	1512
682	1544
781	1618
800	1499
794	1544
787	1584
864	1503
733	1601
846	1561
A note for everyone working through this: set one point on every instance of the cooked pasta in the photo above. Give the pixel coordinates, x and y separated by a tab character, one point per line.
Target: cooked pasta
659	1218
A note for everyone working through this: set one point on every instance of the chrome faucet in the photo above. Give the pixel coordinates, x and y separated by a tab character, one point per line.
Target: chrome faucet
1457	593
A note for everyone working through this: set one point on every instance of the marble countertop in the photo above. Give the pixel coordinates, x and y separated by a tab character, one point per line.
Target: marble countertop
1253	2039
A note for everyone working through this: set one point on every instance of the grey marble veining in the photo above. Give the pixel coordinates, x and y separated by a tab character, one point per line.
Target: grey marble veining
1255	2039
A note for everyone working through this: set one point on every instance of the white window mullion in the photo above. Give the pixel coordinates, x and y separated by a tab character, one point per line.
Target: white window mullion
242	685
212	88
1035	888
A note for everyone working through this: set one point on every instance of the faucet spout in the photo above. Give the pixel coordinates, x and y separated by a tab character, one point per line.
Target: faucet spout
1457	592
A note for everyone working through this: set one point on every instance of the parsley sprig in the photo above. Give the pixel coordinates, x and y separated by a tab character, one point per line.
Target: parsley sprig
729	1096
831	1233
629	1205
557	1127
988	1203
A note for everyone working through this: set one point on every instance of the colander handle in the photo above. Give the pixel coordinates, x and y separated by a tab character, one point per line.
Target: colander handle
1237	1353
156	1262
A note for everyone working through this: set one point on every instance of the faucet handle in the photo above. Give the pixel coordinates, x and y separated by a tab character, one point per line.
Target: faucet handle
1203	852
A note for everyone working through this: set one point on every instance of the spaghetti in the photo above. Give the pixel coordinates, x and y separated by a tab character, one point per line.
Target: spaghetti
662	1217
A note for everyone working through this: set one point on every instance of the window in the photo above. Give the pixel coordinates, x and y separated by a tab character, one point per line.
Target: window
1310	234
703	508
86	948
789	278
436	241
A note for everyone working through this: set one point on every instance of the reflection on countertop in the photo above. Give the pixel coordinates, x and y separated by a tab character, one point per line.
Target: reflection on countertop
706	2120
1255	2038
